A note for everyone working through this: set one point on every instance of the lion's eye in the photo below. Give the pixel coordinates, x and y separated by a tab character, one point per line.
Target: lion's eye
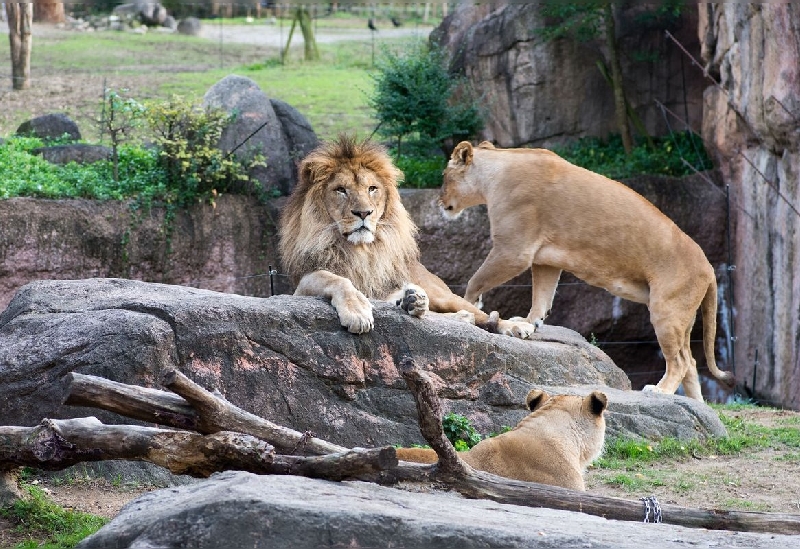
373	189
341	190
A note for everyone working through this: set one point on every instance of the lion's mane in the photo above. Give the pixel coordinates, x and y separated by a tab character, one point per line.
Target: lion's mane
311	241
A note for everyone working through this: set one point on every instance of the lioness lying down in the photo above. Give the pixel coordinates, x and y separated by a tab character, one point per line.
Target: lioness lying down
549	215
554	444
346	236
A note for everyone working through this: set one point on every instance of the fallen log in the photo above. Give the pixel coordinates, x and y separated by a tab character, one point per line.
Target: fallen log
189	407
481	485
57	444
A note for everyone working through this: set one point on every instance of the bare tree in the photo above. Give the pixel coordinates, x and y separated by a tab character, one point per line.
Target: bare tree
20	17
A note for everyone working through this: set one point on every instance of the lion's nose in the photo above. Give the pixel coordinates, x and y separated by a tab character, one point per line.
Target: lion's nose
363	214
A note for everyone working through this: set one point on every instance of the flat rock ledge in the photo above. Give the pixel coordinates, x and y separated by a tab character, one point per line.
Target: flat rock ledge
287	359
236	509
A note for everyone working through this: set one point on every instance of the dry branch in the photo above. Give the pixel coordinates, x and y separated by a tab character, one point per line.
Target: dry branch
481	485
56	444
198	410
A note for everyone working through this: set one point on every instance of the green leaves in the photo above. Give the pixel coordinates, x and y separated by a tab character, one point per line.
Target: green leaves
459	430
414	97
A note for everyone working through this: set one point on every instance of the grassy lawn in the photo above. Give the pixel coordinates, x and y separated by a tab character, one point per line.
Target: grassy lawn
70	69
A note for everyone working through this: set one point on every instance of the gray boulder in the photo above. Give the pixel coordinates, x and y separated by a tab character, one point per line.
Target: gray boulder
255	130
50	126
237	509
287	359
82	153
297	131
189	26
284	358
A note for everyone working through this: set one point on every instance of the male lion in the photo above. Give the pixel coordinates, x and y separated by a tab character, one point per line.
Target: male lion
346	236
554	444
549	215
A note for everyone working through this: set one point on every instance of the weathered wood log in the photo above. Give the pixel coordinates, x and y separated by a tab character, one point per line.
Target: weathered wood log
481	485
193	408
57	444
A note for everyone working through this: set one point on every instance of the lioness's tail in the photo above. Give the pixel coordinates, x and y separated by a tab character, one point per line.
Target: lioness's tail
709	310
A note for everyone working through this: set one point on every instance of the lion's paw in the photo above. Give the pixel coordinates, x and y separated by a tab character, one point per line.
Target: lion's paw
414	301
516	327
355	313
651	389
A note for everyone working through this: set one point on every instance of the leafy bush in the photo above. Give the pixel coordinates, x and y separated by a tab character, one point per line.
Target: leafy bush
186	136
421	172
459	430
415	98
607	156
26	174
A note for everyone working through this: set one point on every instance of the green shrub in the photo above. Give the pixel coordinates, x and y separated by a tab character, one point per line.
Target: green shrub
607	156
415	98
186	136
459	430
421	172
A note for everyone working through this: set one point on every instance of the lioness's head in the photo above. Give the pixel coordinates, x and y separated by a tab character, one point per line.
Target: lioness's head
459	190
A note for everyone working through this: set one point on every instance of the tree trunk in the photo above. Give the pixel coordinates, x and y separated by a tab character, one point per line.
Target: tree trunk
616	79
47	11
20	17
310	42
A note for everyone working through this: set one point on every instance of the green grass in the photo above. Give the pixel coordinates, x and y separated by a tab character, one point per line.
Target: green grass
48	525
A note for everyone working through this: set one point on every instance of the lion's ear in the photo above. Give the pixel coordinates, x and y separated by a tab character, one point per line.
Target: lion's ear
597	402
486	145
535	398
463	153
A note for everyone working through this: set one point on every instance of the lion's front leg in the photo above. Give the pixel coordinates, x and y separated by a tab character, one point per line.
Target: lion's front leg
412	299
544	280
353	307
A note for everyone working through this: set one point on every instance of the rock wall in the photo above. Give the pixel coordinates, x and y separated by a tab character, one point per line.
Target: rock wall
750	123
538	92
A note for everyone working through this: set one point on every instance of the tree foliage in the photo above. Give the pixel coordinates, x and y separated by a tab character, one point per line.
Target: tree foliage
415	98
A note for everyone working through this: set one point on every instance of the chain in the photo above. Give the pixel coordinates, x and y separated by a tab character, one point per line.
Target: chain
651	506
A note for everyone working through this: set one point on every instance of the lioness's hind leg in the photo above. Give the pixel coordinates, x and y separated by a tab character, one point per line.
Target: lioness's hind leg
673	340
413	300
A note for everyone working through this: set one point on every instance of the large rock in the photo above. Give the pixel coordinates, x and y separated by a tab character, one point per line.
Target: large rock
50	126
245	510
190	26
455	249
228	247
297	131
285	358
750	125
255	130
541	92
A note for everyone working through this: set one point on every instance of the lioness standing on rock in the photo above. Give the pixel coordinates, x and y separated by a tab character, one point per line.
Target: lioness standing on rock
553	445
549	215
346	236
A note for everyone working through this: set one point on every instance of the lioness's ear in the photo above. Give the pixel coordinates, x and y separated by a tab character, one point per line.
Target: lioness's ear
597	402
463	153
535	398
486	145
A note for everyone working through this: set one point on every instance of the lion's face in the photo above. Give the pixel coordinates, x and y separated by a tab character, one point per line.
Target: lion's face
355	202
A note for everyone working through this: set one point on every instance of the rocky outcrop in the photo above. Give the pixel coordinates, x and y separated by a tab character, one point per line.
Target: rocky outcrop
81	153
288	359
230	247
540	92
50	126
245	510
750	124
274	130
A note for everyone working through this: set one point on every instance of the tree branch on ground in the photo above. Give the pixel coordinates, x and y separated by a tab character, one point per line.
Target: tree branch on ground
231	438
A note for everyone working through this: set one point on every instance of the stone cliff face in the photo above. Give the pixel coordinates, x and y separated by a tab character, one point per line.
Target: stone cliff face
539	92
750	124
